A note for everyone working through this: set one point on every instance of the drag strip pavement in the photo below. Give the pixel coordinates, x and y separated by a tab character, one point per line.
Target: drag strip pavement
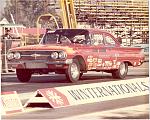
133	108
132	112
128	108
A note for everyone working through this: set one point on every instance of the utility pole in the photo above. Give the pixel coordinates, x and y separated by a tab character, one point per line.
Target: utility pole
16	10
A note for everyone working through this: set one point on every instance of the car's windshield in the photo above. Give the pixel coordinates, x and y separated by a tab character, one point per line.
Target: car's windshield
50	38
66	36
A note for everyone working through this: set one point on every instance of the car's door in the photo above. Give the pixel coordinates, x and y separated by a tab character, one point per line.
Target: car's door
102	58
87	49
93	54
112	50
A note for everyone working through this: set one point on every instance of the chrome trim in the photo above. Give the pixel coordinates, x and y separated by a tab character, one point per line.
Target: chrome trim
36	50
35	55
68	61
32	56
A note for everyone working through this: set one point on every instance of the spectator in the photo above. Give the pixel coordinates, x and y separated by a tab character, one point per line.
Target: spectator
6	45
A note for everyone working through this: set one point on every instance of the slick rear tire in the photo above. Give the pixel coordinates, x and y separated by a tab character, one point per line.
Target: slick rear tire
121	73
73	71
23	75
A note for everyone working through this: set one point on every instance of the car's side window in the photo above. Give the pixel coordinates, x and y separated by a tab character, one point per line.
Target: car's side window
64	39
78	39
97	39
50	38
109	40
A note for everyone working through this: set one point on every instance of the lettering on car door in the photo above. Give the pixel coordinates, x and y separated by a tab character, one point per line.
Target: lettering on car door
112	51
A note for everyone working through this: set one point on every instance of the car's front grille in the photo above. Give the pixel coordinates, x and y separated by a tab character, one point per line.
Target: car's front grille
35	55
33	52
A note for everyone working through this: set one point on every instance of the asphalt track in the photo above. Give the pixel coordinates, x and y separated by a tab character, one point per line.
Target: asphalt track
128	108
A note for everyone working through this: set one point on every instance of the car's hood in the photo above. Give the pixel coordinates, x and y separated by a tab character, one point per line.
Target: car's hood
43	47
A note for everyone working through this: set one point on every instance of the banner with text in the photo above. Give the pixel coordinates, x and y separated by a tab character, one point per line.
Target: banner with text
95	92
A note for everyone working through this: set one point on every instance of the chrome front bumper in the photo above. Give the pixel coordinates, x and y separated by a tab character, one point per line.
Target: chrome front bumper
39	64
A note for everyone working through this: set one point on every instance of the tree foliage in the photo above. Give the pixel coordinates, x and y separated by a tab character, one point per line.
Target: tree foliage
26	12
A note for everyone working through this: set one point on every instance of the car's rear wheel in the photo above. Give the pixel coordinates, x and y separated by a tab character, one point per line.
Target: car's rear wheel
73	71
121	72
23	75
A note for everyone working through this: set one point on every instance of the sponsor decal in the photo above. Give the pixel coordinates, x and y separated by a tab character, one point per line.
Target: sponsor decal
99	62
134	63
10	103
95	92
94	63
118	63
114	62
108	63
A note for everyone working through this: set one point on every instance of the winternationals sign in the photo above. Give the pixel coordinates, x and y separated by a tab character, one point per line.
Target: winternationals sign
96	92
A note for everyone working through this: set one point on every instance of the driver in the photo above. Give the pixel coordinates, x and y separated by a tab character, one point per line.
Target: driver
64	39
77	39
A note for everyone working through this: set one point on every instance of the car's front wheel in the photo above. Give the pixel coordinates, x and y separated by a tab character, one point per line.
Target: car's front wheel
73	71
23	75
121	72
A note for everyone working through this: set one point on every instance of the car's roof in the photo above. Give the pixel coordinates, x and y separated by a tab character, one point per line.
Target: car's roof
90	30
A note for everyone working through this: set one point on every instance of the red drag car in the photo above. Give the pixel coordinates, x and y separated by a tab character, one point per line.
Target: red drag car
74	52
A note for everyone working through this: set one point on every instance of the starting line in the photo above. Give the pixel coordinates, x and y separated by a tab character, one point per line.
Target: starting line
89	93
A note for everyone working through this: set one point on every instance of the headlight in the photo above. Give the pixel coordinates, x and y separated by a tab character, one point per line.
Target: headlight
17	55
10	56
62	55
54	55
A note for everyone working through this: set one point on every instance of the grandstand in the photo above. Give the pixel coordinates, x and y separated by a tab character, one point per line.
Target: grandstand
127	19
